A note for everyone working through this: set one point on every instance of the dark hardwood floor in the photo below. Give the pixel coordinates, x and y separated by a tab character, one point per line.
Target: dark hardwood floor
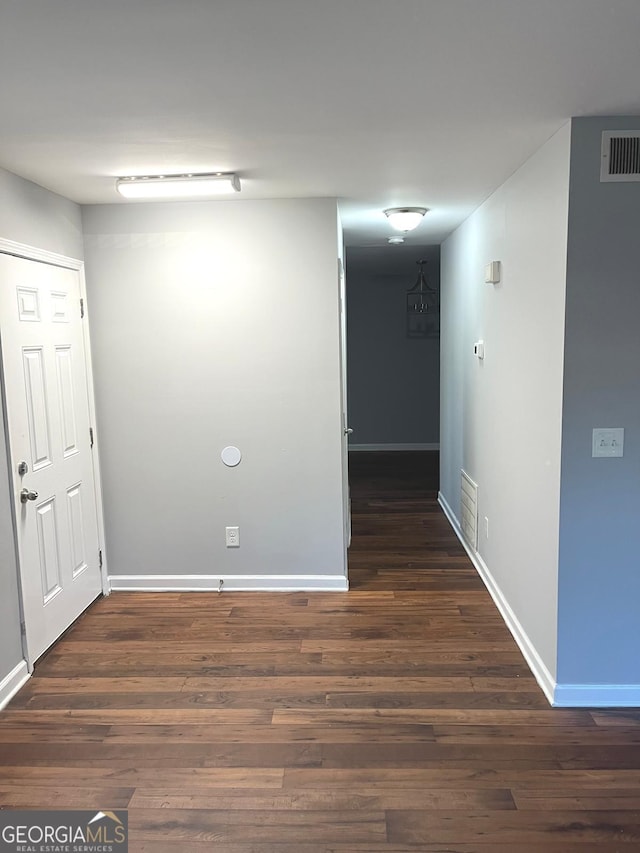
397	717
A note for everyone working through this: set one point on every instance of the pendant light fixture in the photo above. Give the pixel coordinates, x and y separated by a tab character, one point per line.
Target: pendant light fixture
423	308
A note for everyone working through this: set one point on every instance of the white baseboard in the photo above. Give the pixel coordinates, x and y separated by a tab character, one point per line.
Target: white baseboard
211	583
536	664
597	696
12	682
559	695
369	447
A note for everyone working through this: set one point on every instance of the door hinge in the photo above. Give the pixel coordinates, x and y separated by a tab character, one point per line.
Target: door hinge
81	308
100	558
91	436
23	629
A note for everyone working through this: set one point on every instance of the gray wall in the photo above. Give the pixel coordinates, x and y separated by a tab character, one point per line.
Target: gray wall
32	215
35	217
217	323
393	381
599	582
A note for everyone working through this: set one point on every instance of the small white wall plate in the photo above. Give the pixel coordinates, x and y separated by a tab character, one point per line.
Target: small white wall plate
492	272
231	456
608	441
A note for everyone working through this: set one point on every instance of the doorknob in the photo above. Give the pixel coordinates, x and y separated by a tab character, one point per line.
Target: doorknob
347	431
26	495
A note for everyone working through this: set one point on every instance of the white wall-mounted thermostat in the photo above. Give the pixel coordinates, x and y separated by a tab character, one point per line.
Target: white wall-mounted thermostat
492	272
478	349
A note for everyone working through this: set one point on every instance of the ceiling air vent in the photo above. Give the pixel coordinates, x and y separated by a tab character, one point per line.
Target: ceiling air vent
620	155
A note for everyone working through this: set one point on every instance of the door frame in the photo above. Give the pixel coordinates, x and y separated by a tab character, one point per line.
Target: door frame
344	416
31	253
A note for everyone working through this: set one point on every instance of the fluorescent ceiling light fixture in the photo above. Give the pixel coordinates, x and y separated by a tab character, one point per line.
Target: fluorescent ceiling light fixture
178	186
405	218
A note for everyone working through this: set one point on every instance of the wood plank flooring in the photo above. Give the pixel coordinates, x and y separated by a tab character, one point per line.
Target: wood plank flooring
397	717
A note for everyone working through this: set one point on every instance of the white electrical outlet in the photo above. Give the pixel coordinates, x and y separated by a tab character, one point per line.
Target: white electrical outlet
233	537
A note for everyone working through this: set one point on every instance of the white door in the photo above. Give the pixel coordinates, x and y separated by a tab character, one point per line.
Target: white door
47	406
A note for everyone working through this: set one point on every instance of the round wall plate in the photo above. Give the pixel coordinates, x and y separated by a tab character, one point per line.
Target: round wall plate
231	456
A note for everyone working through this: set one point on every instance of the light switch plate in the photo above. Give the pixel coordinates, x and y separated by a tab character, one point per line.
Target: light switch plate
608	441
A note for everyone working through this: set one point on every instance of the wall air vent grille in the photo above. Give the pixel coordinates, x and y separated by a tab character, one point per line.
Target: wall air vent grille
469	509
620	156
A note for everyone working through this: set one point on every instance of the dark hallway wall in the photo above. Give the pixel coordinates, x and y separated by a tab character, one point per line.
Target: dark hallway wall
393	381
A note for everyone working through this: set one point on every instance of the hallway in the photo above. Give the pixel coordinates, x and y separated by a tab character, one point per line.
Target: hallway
397	717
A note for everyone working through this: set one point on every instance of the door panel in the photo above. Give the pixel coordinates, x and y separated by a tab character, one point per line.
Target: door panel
36	402
45	383
48	549
64	370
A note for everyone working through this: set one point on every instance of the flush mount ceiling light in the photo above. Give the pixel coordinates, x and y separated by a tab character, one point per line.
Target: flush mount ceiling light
178	186
395	241
405	218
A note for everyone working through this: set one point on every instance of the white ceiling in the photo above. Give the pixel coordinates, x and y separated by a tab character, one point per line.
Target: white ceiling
377	102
